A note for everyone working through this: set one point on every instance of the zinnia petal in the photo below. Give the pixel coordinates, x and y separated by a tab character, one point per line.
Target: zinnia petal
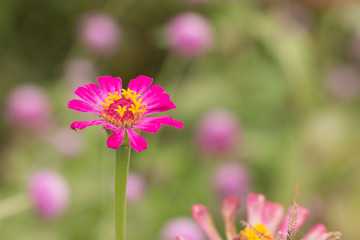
160	109
151	92
136	141
204	219
115	140
166	120
83	124
140	84
88	96
315	233
255	208
272	215
148	127
82	106
97	91
109	84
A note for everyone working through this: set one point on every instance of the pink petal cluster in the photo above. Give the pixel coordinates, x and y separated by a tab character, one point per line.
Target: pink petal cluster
183	226
232	179
189	34
49	193
153	99
218	132
100	33
28	106
135	187
259	211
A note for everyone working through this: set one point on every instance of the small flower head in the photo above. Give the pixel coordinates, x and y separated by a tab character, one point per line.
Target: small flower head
265	221
232	179
100	33
124	110
28	107
49	194
217	133
135	187
181	226
189	34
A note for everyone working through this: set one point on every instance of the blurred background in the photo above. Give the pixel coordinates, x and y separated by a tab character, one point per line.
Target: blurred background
268	92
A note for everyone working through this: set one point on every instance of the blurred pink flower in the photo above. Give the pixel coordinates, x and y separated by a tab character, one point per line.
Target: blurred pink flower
135	187
28	106
100	33
67	143
79	71
344	83
49	193
189	34
264	220
124	112
218	132
232	179
183	226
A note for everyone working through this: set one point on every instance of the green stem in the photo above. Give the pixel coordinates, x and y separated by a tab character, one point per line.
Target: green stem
122	159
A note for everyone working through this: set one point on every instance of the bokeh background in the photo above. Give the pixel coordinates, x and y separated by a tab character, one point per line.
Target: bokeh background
268	92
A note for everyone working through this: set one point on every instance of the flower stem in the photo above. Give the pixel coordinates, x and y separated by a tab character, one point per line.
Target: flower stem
122	160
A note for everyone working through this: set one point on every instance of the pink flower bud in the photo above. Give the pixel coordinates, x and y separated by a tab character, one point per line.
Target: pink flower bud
184	227
135	187
189	34
218	133
49	194
100	33
28	107
232	179
67	142
344	83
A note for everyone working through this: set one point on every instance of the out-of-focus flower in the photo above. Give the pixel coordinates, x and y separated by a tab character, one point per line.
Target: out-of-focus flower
67	143
100	33
196	2
182	226
218	133
79	71
344	83
135	187
264	221
354	46
123	110
232	179
28	106
49	194
189	34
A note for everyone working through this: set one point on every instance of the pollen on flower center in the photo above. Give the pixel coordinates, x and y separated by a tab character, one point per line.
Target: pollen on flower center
123	110
257	232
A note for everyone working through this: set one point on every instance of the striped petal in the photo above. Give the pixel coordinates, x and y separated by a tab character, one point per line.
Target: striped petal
88	96
166	120
315	233
136	141
109	84
115	140
272	215
140	84
255	208
160	109
82	106
151	92
204	219
97	91
148	127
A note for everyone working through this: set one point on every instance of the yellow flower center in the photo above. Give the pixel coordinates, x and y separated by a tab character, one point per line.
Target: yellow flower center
123	110
257	232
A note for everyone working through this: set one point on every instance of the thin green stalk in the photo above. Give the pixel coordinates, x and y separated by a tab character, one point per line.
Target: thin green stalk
122	160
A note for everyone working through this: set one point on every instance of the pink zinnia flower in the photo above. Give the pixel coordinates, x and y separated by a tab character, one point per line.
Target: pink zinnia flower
265	221
49	193
123	110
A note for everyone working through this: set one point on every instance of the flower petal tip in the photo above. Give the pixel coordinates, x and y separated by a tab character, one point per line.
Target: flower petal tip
230	206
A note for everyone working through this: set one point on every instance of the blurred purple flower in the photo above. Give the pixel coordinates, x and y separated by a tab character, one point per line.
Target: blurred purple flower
344	83
189	34
135	187
79	71
218	132
182	226
28	106
67	143
100	33
49	193
232	179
